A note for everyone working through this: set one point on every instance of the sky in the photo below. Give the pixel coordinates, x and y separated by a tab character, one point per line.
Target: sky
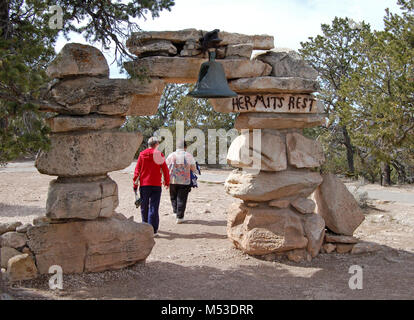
289	21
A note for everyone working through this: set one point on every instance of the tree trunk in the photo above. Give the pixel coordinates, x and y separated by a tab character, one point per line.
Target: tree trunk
349	150
4	19
387	174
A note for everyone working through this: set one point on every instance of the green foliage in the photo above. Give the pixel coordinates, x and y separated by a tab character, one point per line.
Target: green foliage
27	47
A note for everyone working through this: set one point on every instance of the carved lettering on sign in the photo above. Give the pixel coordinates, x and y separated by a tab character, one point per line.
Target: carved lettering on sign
274	103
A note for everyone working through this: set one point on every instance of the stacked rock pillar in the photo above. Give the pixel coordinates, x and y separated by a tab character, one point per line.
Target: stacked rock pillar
275	178
81	231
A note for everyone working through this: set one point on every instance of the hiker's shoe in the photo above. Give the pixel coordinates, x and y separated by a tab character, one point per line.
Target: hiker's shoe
179	220
156	235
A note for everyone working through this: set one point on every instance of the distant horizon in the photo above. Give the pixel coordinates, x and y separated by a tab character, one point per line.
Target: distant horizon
289	22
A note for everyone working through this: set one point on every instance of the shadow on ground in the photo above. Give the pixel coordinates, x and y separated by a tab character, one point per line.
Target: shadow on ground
11	211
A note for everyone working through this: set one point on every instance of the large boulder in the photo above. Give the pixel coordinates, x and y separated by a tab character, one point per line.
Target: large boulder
81	96
90	153
77	59
274	85
82	199
154	48
267	186
13	239
269	155
21	267
337	206
260	231
186	70
287	63
303	152
257	120
237	51
64	123
90	246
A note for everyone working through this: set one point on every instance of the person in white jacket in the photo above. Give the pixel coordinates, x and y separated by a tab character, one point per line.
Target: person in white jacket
179	164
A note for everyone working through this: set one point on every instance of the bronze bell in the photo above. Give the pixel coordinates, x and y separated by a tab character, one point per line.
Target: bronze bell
212	82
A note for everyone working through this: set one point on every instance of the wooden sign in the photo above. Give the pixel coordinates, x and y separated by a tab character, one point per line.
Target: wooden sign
278	103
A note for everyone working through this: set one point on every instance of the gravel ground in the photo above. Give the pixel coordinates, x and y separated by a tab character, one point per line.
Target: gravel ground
195	260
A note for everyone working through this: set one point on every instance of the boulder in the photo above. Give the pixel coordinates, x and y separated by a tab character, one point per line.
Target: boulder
297	255
267	186
271	84
336	238
268	103
85	95
344	248
191	48
365	247
21	267
259	42
303	205
9	226
337	206
13	240
154	48
237	51
6	254
83	200
314	227
303	152
90	153
144	105
287	63
64	123
185	70
260	231
90	246
329	247
77	59
268	155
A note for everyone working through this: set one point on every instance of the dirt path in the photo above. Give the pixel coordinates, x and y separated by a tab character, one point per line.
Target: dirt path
195	260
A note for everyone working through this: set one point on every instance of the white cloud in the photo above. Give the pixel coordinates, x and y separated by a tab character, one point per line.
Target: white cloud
290	22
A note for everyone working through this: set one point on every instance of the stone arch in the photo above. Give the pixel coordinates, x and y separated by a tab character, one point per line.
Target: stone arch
81	230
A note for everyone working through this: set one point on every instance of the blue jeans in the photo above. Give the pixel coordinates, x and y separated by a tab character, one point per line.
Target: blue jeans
150	196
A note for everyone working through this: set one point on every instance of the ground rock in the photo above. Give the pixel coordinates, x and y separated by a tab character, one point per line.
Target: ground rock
303	205
334	238
21	267
267	186
269	155
260	231
329	247
303	152
297	255
83	200
271	84
90	246
344	248
257	120
77	59
89	153
23	228
9	226
287	63
13	239
337	206
64	123
6	254
365	247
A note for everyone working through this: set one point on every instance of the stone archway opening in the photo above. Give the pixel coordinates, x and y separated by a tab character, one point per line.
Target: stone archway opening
81	231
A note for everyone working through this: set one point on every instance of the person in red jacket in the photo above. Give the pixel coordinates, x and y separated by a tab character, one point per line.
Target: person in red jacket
148	173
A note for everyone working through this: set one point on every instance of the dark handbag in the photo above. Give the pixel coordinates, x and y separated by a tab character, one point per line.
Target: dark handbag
193	180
